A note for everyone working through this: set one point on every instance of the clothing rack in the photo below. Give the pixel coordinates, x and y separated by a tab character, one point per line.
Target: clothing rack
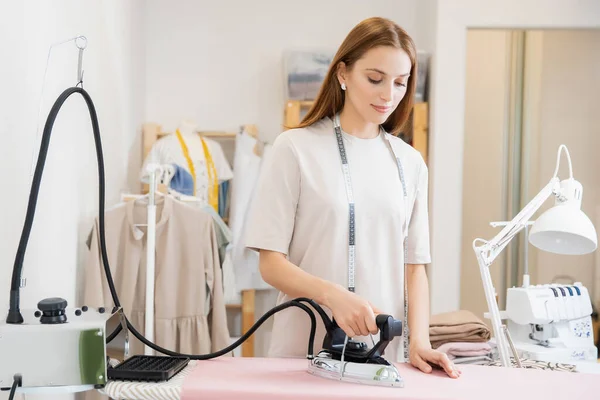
155	173
152	132
150	257
153	169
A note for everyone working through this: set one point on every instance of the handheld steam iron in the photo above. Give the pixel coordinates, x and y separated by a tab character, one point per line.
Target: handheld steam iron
348	360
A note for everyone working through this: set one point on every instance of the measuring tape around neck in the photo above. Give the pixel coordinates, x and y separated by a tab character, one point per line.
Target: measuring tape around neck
352	222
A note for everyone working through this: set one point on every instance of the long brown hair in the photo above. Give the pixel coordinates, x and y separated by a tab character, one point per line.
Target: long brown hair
370	33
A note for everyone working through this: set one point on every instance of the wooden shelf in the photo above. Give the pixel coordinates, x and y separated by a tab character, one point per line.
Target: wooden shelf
294	111
420	129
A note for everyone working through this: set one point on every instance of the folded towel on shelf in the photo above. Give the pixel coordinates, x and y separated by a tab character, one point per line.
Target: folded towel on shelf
457	326
465	349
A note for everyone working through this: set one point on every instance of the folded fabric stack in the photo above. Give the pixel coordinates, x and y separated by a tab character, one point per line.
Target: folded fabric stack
468	352
457	326
461	335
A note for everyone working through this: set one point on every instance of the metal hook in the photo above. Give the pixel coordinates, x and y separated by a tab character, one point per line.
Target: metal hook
81	43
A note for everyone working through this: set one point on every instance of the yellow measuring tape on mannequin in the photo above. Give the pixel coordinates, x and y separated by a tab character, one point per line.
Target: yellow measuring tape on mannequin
213	181
186	154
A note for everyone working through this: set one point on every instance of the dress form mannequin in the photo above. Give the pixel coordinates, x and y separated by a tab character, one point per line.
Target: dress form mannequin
188	129
169	150
191	142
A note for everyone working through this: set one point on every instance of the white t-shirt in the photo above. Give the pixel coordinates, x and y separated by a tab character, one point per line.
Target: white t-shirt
167	150
301	210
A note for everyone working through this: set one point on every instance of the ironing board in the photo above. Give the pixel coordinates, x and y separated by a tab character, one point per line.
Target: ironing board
264	378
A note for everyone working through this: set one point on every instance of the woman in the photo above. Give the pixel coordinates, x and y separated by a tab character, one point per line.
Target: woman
330	213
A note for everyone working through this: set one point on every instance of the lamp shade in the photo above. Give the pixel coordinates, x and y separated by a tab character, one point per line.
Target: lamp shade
564	229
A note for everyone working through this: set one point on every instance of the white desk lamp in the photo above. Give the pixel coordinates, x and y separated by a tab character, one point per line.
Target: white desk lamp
563	229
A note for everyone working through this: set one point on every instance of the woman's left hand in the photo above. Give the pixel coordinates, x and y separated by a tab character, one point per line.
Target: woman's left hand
422	357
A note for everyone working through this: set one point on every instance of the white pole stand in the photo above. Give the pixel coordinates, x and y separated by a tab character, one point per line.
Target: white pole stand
154	172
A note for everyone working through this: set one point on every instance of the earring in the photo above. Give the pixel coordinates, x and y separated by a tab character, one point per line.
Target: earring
343	86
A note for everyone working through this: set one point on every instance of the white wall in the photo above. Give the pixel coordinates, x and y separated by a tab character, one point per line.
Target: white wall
67	204
448	109
427	16
220	63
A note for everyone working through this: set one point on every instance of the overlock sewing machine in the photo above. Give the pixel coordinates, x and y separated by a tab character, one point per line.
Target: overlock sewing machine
551	322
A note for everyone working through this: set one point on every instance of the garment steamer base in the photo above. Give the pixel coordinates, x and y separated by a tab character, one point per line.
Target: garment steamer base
324	366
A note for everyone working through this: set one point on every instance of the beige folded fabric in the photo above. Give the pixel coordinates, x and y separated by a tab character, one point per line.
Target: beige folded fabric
457	326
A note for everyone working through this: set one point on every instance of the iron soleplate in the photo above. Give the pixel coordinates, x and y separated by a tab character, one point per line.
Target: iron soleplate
325	366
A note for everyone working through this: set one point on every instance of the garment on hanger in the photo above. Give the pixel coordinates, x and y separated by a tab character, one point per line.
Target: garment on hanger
247	166
232	295
182	181
207	162
224	196
188	275
224	237
223	233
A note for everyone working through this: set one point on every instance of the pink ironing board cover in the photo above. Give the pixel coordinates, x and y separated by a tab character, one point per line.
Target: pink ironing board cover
288	379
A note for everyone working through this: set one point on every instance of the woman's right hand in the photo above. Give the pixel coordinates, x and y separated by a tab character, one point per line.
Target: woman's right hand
352	313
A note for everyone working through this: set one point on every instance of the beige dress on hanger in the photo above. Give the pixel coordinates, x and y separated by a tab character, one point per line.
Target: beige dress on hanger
190	314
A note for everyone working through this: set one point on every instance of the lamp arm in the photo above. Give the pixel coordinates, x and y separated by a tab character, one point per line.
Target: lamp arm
492	248
489	251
